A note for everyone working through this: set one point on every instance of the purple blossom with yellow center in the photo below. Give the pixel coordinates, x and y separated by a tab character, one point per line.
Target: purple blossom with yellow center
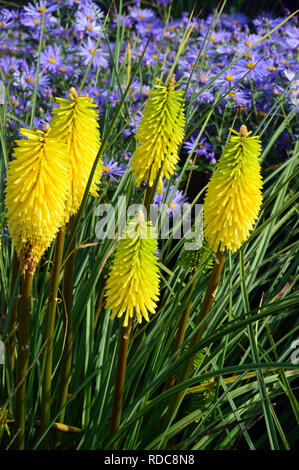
51	58
86	51
113	169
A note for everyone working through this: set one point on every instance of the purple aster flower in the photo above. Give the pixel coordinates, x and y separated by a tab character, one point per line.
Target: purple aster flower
229	78
51	58
175	201
246	41
153	27
292	39
92	13
81	4
138	92
211	158
7	19
26	78
266	21
32	14
65	70
235	19
86	51
239	96
86	21
255	66
294	90
133	125
125	21
9	65
112	169
142	14
15	104
202	148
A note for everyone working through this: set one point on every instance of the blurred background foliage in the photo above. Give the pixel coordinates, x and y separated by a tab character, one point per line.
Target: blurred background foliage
205	7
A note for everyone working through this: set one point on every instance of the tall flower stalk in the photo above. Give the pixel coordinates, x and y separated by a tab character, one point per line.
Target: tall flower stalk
132	289
36	192
75	122
49	333
231	207
133	285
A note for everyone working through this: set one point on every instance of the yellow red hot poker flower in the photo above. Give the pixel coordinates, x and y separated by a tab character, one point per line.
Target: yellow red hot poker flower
159	135
38	181
75	121
234	195
133	283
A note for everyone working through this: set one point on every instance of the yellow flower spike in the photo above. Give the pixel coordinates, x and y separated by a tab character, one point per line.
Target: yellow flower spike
159	134
133	283
234	196
37	186
75	122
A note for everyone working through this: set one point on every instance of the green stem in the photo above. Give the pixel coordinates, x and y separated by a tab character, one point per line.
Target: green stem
120	380
122	359
180	336
147	197
49	334
23	359
99	307
68	327
13	320
205	308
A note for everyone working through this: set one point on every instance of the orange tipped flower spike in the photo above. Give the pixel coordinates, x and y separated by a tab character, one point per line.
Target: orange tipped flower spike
234	196
38	182
75	122
159	134
133	283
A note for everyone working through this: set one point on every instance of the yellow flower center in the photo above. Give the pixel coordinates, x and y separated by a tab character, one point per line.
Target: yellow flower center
29	79
247	43
232	94
36	21
203	78
141	15
250	65
212	38
62	69
41	9
271	69
89	18
154	56
88	27
91	51
106	169
172	205
52	60
229	78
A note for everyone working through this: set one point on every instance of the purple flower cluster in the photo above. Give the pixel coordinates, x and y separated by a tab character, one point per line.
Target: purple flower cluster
75	33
